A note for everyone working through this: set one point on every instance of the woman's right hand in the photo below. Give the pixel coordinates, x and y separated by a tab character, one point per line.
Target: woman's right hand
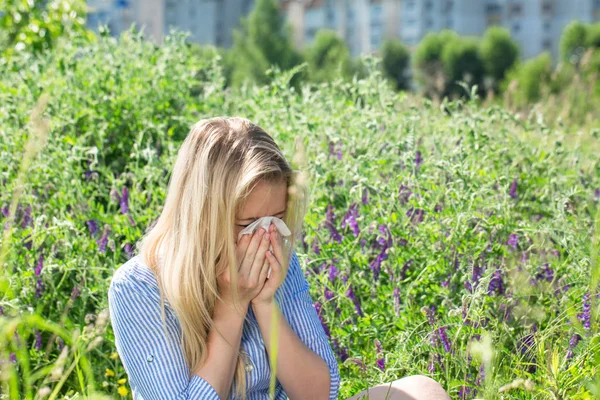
252	264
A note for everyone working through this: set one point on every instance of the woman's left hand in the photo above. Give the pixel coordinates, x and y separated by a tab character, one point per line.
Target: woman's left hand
279	265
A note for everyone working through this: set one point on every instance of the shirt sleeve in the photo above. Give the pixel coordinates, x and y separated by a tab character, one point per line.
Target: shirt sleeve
154	362
296	304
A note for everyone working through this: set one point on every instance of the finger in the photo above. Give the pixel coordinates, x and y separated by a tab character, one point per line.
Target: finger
259	259
264	270
274	263
277	243
241	248
246	267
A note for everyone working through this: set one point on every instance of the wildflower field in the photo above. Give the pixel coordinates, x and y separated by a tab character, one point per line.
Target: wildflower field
456	239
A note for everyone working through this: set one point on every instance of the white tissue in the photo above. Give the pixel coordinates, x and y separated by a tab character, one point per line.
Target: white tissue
265	222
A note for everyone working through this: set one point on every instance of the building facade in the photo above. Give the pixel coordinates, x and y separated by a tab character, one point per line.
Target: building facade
535	24
207	21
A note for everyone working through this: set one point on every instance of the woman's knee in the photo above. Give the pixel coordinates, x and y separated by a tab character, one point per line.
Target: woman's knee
421	387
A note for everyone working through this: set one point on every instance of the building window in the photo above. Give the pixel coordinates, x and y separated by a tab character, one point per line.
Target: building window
515	9
429	5
493	8
516	27
546	8
449	5
410	5
547	44
429	23
547	25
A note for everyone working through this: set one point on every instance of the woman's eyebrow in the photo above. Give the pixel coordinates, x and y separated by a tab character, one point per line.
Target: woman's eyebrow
255	218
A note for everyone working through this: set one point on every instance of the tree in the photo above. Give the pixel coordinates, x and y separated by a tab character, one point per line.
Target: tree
35	26
573	42
530	77
462	62
265	41
499	52
593	36
429	68
396	58
328	57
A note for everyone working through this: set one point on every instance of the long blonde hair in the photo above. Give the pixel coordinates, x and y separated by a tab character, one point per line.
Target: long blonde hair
192	241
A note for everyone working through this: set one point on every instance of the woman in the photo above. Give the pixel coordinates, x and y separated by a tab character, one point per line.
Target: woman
194	314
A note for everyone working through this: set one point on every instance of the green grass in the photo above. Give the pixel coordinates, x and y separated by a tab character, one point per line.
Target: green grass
437	176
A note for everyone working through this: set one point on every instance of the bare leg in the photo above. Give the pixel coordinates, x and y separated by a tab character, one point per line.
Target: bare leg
415	387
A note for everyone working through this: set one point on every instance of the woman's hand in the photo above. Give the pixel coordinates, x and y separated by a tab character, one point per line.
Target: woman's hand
279	265
252	268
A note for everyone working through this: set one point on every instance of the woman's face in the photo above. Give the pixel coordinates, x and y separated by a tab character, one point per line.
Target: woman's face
267	199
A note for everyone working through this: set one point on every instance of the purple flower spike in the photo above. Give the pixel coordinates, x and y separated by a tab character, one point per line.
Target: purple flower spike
38	340
572	344
365	196
40	265
26	217
318	308
404	194
39	288
333	273
75	292
13	357
103	240
513	241
431	366
545	273
380	355
418	159
597	194
586	315
496	285
328	294
352	296
513	189
124	201
444	338
92	226
315	247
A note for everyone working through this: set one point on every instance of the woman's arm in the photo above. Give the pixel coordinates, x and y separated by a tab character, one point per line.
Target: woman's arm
306	365
219	366
155	364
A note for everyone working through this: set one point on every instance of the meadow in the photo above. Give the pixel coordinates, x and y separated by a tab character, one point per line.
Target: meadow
456	239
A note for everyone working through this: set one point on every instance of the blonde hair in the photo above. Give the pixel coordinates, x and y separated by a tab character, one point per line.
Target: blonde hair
192	242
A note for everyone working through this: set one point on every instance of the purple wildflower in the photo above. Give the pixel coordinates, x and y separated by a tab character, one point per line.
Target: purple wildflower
465	392
315	247
40	265
365	196
405	268
330	223
38	340
397	301
496	285
340	351
418	159
415	214
352	296
13	357
430	312
375	265
441	331
28	244
26	217
39	288
103	240
124	201
481	376
572	344
380	355
431	366
526	343
350	219
328	294
93	227
513	240
5	211
513	189
128	250
333	273
597	194
545	273
586	315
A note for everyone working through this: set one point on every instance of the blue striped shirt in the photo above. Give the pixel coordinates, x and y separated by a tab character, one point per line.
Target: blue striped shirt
157	369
